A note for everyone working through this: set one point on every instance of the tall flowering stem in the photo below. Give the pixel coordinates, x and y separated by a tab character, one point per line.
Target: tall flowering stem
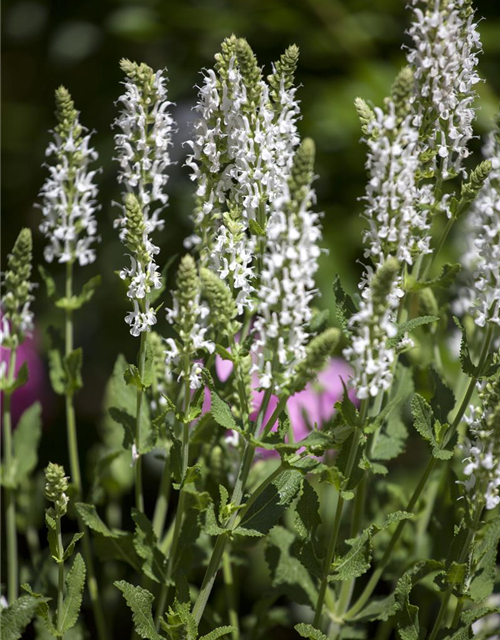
68	207
17	322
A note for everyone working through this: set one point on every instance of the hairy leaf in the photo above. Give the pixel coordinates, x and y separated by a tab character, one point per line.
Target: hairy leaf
218	633
75	582
308	631
344	306
16	617
140	602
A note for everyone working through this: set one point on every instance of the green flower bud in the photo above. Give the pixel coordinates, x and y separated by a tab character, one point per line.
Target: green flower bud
141	75
382	283
188	284
251	72
401	90
223	59
222	306
319	349
66	114
135	227
56	487
365	114
284	72
302	171
17	318
473	186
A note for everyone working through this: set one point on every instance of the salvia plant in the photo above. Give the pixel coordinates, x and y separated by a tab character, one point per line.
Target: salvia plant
263	467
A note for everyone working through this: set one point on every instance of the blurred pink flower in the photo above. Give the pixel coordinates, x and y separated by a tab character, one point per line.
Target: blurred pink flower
313	406
36	387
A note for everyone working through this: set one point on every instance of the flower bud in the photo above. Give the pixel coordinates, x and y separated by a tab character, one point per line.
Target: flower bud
56	487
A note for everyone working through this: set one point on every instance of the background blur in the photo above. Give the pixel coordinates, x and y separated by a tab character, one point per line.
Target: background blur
348	48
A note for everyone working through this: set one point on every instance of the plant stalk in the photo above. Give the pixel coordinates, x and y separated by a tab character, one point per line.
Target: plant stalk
60	566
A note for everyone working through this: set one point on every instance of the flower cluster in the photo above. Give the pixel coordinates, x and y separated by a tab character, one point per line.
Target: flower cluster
371	355
287	287
444	57
397	208
242	154
56	487
143	145
69	193
17	318
186	316
485	230
142	276
483	447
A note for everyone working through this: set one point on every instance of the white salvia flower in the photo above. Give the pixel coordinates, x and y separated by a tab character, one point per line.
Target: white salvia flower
484	256
187	316
142	277
444	57
69	193
242	154
16	317
143	145
482	463
287	286
397	209
371	353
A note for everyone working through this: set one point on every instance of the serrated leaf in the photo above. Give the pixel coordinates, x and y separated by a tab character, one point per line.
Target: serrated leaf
16	617
410	325
42	610
422	417
221	412
468	367
72	365
443	400
407	619
288	574
146	547
357	561
344	306
272	503
255	228
75	582
218	633
140	602
71	546
132	377
444	280
26	439
482	582
308	631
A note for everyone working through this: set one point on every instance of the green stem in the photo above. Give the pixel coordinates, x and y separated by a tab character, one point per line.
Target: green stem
227	571
76	474
139	498
372	583
181	506
236	498
464	552
161	507
332	542
10	504
60	583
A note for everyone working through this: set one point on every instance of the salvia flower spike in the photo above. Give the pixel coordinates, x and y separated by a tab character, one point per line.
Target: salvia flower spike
69	193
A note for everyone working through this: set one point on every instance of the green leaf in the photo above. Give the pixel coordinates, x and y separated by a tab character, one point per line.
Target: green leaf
308	631
482	582
65	373
42	610
26	439
140	602
75	581
407	619
443	400
422	417
56	372
408	326
218	633
307	520
271	504
146	546
255	228
132	377
16	617
221	412
148	375
52	535
468	367
71	546
20	380
50	284
357	561
114	544
344	306
444	280
319	321
288	574
76	302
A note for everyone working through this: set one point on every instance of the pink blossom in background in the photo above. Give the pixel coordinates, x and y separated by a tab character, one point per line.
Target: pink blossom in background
36	387
313	406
